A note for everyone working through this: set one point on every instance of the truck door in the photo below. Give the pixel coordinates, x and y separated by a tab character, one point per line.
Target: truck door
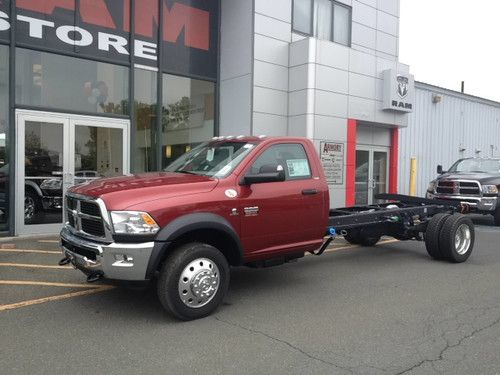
278	216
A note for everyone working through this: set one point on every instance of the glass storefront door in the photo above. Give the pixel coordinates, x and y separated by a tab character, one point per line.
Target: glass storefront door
55	152
372	174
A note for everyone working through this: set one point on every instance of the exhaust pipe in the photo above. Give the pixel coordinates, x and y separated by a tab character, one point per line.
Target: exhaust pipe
96	276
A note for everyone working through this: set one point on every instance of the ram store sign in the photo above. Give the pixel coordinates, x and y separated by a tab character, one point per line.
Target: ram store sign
101	28
399	91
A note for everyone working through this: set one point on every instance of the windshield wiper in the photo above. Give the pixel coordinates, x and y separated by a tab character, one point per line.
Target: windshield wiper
187	172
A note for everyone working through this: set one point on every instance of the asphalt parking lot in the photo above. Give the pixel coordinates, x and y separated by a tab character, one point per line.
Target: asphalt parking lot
389	309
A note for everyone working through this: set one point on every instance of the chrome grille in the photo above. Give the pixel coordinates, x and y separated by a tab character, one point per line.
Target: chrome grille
459	187
84	216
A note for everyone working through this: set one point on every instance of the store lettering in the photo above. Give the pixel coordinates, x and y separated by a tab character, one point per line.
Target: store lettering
397	104
179	19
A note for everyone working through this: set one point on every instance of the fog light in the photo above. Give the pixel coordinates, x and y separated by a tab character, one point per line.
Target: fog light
123	260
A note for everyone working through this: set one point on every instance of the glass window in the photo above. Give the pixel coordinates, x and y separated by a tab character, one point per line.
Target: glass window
323	19
54	81
342	24
214	159
302	16
4	132
143	156
291	158
188	114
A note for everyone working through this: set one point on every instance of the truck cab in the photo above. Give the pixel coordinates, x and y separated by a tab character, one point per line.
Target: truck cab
473	181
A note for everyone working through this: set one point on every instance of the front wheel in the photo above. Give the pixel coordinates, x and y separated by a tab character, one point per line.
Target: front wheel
496	217
193	281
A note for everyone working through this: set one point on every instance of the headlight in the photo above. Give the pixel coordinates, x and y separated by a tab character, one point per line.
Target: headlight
489	189
432	186
133	222
51	184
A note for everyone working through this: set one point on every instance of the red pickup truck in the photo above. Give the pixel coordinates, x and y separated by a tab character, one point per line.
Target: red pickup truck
233	201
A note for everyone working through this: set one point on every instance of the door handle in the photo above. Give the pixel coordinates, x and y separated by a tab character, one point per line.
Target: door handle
309	192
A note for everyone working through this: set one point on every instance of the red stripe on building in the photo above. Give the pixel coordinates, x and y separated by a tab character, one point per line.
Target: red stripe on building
393	162
350	186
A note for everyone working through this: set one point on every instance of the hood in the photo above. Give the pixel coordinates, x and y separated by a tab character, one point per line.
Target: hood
121	192
483	178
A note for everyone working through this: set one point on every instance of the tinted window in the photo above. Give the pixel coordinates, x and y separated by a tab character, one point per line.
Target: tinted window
291	158
54	81
188	115
4	131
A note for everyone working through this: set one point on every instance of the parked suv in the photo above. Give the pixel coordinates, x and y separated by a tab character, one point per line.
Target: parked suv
475	181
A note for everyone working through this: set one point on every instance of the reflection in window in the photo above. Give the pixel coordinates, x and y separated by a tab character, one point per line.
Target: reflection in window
4	131
145	99
323	19
54	81
188	114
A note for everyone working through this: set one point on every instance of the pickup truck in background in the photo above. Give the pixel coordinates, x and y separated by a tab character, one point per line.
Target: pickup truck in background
473	181
234	201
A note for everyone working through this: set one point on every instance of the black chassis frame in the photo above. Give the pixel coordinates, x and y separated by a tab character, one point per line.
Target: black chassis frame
404	217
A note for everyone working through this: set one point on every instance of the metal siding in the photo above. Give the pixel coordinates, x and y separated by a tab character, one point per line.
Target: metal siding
436	131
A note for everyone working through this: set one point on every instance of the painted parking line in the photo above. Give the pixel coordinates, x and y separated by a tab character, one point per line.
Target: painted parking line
38	301
23	265
48	241
30	251
47	283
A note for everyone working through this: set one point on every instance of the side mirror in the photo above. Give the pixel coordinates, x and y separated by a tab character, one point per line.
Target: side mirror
260	178
440	169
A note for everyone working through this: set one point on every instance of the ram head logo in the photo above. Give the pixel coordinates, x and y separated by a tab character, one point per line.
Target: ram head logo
402	86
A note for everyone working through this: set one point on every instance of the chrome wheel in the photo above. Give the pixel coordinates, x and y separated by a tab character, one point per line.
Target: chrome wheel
463	239
199	283
29	207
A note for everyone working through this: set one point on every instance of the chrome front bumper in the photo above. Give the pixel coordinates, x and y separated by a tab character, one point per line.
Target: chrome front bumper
476	203
116	261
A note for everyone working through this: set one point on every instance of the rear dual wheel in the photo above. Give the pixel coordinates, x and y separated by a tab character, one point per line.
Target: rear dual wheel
450	237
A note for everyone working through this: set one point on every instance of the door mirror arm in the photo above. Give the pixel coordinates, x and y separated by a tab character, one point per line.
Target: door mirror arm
260	178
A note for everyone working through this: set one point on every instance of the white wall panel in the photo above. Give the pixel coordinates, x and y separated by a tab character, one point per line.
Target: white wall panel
271	50
331	79
272	27
436	131
270	101
364	14
270	76
364	36
271	125
280	9
388	23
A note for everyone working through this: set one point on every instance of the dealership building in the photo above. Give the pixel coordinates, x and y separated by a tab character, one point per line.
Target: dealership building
92	88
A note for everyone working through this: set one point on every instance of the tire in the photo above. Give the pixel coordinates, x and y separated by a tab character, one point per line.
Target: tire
32	206
456	239
368	241
496	217
193	281
352	238
432	235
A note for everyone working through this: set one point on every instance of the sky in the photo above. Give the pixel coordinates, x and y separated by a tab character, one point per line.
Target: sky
449	41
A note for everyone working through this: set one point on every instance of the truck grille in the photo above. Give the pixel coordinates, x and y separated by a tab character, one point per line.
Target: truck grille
85	216
467	188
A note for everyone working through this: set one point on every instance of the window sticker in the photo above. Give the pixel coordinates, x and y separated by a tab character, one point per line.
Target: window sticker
298	168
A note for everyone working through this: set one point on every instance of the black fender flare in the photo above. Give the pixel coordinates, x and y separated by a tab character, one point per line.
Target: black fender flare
189	223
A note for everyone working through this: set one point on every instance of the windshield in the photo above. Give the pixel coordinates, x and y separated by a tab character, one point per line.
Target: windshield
476	166
213	159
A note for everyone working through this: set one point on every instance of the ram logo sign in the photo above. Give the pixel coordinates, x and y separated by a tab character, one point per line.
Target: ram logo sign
399	91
